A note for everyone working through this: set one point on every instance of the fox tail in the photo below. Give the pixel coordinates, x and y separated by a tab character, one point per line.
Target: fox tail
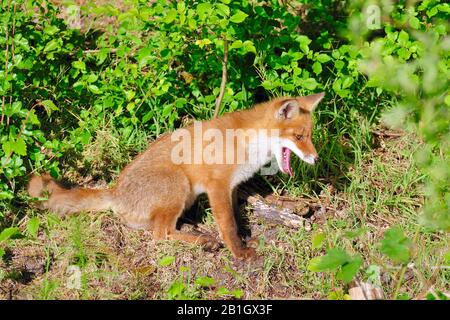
65	201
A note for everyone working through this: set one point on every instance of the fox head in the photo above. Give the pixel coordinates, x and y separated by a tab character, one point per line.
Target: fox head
294	122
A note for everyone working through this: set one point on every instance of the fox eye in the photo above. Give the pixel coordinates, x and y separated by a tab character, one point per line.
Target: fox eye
299	137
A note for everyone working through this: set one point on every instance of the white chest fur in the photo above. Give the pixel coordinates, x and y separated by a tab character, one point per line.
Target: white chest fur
259	152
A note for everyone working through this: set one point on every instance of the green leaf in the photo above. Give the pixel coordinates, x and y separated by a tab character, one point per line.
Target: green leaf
92	78
304	42
238	17
51	45
396	245
147	116
94	89
249	46
403	38
329	262
442	296
204	281
348	81
323	58
414	23
317	240
181	7
222	291
176	290
430	296
309	84
238	293
447	258
15	108
338	295
19	147
403	296
447	99
317	67
373	273
7	148
51	29
32	118
236	44
8	233
6	195
129	94
338	64
203	42
203	10
288	87
404	53
349	270
170	16
192	23
185	269
168	260
223	10
33	226
432	12
79	65
49	106
167	110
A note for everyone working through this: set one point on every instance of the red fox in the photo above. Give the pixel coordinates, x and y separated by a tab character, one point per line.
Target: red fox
153	190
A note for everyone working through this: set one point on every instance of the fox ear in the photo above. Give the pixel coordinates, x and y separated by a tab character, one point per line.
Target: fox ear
309	103
288	110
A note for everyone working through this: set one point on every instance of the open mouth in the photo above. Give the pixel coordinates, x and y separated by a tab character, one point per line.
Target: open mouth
284	149
286	160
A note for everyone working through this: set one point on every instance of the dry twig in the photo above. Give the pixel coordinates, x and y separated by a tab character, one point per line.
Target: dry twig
224	78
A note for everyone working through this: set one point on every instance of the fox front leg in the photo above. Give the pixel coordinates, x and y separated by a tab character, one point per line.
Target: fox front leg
222	208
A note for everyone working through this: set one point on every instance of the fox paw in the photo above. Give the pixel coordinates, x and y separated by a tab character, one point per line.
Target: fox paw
248	254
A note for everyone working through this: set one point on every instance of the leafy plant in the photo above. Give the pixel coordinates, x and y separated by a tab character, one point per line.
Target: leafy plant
33	226
411	62
396	245
339	261
184	288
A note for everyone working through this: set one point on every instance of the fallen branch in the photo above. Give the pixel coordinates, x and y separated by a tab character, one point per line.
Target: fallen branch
224	78
275	214
387	133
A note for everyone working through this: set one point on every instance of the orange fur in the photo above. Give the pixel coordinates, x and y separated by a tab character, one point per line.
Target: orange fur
152	191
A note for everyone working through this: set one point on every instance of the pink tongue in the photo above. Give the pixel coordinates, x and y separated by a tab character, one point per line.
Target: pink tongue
286	161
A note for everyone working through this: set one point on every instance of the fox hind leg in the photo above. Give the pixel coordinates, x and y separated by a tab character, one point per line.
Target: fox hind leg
157	204
163	224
